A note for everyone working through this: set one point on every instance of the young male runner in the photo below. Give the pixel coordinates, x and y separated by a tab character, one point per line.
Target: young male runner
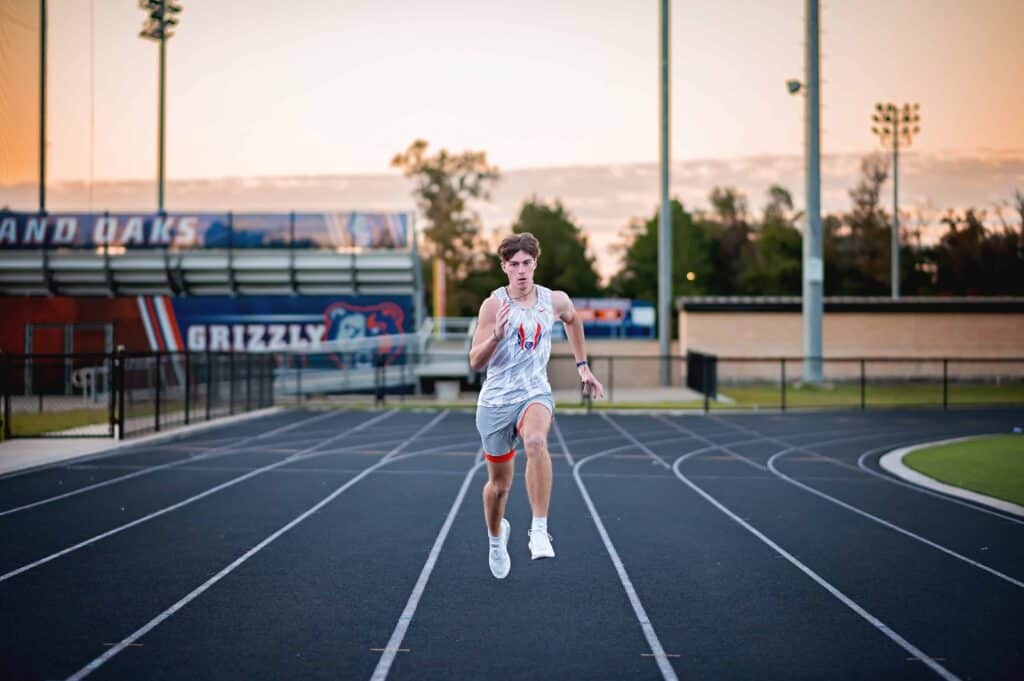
513	341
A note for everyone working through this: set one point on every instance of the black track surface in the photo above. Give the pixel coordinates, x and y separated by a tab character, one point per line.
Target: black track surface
179	581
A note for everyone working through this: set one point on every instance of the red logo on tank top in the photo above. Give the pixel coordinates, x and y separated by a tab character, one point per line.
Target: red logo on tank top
526	343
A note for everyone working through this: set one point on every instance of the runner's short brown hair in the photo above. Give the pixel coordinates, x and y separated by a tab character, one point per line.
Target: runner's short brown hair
513	243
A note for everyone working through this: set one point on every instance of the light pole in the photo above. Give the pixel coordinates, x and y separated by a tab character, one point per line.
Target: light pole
159	26
42	107
890	124
813	266
665	216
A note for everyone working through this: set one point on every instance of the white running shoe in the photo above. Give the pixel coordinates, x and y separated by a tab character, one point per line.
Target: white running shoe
498	557
540	545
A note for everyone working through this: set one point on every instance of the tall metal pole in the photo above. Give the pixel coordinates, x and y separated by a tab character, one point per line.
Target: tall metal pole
42	106
160	153
665	216
813	270
896	122
895	247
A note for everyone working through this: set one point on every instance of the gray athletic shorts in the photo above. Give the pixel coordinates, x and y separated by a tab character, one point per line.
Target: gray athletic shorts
499	426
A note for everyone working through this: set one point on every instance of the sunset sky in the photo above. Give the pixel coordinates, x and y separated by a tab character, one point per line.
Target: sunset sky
270	88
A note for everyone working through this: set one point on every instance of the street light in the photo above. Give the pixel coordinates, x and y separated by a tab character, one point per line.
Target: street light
813	274
891	124
160	22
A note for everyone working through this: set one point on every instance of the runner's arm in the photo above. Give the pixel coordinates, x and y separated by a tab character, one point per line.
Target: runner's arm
565	311
485	338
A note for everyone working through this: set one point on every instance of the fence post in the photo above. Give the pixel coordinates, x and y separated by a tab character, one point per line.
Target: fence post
248	381
401	383
863	385
611	377
705	361
188	384
156	411
261	384
231	382
945	383
271	396
782	381
111	394
121	392
7	378
379	376
209	383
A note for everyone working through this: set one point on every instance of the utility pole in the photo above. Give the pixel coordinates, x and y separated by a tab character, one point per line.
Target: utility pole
159	26
890	124
665	216
813	265
42	107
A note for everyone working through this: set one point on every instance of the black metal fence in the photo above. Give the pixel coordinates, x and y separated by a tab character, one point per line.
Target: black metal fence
122	394
708	382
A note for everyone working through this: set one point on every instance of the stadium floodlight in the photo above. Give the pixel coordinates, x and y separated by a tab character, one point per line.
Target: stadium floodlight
160	22
894	124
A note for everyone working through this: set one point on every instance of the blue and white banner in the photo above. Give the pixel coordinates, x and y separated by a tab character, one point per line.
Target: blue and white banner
618	317
273	323
182	231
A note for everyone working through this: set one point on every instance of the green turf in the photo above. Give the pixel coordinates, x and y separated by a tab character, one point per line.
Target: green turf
990	465
875	395
28	424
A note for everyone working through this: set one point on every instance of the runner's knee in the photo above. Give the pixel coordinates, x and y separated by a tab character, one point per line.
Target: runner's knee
500	485
535	444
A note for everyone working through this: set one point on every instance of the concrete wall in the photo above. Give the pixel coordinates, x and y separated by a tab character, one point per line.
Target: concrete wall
629	363
925	336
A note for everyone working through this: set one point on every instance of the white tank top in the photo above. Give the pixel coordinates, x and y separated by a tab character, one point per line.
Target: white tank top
518	369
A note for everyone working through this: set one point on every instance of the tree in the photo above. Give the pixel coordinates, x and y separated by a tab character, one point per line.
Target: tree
729	205
638	278
779	209
564	263
771	258
971	260
445	184
859	248
727	232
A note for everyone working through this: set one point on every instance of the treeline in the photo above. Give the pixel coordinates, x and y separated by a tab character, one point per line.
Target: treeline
724	250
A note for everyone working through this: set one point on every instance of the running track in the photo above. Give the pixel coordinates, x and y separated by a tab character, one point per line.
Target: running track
351	545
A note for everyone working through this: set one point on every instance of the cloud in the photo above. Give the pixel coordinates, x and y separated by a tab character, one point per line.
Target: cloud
603	199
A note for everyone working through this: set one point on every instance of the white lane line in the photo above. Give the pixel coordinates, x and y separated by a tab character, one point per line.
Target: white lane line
565	448
725	447
394	644
862	464
160	440
153	623
761	437
906	645
893	463
843	598
886	523
167	509
212	453
881	521
658	652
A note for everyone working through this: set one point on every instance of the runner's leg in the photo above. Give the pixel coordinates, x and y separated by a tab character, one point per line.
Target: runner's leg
533	428
499	481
